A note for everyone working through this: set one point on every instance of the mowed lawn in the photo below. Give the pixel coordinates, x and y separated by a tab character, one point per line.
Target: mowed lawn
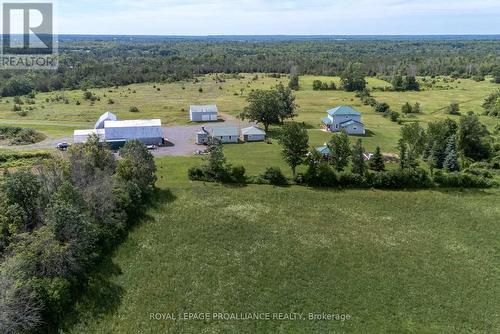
396	262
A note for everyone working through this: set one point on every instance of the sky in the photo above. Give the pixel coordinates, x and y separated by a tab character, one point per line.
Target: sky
278	17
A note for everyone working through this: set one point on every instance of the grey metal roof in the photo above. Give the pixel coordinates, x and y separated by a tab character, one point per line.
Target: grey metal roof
350	122
253	130
132	123
204	109
225	131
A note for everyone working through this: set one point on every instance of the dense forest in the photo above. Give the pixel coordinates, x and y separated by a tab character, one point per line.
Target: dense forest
100	62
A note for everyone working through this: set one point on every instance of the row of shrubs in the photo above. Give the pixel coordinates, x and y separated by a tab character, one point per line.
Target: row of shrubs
6	157
325	176
20	136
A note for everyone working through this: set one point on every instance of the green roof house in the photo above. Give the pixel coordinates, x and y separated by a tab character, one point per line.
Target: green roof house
344	118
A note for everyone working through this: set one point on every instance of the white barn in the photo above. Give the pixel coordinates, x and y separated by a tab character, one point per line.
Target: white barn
253	133
116	133
207	113
148	131
81	136
108	116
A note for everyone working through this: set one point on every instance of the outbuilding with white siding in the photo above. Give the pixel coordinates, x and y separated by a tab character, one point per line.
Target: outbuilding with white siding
116	133
147	131
253	133
207	113
226	134
81	136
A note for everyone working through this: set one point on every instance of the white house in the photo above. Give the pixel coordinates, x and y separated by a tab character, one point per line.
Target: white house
344	118
253	133
208	113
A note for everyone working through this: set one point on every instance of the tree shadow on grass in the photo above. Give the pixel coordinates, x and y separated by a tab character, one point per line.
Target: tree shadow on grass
99	295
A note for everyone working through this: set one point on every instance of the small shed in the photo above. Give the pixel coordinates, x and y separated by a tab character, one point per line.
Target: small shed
253	133
207	113
353	127
202	137
324	150
226	134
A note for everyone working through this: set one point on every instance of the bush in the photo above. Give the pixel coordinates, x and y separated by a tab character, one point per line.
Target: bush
400	179
274	176
382	107
319	176
454	109
351	180
21	136
461	180
495	163
133	109
196	173
238	174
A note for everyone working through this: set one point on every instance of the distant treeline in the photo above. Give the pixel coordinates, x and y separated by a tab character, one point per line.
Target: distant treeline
100	63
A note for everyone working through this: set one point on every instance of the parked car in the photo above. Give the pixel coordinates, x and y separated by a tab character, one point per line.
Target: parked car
63	146
151	147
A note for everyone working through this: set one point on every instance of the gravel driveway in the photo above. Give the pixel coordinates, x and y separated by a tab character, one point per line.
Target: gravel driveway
181	137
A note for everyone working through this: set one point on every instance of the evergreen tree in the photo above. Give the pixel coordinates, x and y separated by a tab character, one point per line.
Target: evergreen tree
358	159
454	108
450	163
496	74
417	109
407	108
436	156
294	82
397	82
402	154
377	161
410	83
408	159
340	151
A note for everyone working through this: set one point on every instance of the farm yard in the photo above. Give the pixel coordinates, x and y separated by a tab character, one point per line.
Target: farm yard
57	114
413	261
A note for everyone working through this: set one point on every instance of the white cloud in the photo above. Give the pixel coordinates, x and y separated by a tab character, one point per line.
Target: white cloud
189	17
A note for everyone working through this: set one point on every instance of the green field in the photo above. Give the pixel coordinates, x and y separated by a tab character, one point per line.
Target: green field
171	102
397	262
58	119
